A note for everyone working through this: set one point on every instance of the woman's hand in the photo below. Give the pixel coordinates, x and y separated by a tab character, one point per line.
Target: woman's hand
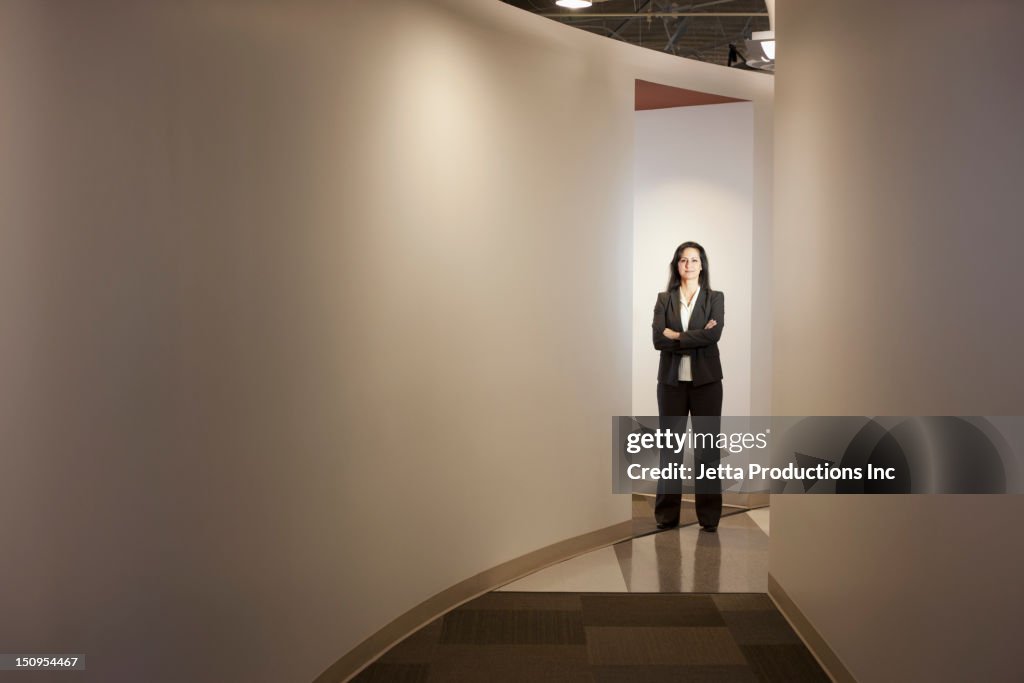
711	323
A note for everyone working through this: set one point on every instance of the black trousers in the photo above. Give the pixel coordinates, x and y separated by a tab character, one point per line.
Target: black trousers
704	405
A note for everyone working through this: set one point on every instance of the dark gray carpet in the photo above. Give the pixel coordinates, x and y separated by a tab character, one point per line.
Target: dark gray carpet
603	638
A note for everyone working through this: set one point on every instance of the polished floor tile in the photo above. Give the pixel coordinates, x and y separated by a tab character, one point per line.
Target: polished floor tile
689	560
683	560
596	571
760	517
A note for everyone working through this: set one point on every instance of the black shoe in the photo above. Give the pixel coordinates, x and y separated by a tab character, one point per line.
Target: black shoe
667	525
710	529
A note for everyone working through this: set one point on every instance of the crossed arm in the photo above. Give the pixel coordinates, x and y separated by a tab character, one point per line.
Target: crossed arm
666	339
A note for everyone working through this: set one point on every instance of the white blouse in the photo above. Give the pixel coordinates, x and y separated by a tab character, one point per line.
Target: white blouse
685	373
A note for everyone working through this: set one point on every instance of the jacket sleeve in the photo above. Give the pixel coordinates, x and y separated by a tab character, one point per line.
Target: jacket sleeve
694	338
661	342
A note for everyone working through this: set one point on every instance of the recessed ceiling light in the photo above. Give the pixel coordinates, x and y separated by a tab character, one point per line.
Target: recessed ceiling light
761	50
573	4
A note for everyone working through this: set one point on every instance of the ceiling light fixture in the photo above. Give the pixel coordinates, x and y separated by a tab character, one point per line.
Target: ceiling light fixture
761	51
761	46
573	4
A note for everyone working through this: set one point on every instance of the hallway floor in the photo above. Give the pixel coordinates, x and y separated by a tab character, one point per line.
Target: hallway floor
683	560
677	605
511	637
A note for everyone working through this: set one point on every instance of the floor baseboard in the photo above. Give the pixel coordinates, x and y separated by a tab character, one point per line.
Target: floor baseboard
826	657
370	649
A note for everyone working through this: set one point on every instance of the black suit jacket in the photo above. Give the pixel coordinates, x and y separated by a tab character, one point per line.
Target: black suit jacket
700	344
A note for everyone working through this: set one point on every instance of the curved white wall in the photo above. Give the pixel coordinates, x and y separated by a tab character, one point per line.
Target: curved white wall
310	311
897	271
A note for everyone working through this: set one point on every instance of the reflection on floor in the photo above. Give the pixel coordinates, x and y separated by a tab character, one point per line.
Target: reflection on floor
643	514
683	560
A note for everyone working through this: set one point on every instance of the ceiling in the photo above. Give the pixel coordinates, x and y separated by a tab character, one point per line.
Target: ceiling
701	30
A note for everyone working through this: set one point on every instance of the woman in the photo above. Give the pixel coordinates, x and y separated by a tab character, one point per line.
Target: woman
688	321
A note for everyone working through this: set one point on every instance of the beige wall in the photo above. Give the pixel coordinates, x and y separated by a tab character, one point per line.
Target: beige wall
310	310
897	258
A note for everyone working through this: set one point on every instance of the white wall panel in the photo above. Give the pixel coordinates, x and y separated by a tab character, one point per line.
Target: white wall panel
694	181
897	261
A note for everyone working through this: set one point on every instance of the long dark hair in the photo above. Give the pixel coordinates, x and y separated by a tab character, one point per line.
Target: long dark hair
675	279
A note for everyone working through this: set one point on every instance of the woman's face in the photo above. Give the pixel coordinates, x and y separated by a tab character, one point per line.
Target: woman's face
689	265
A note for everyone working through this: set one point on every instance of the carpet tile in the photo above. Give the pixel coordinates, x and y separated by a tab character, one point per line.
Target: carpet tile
662	645
674	674
784	663
650	609
508	637
490	626
760	628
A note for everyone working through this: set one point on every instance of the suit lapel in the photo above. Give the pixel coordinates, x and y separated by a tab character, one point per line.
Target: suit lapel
675	318
705	306
700	314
